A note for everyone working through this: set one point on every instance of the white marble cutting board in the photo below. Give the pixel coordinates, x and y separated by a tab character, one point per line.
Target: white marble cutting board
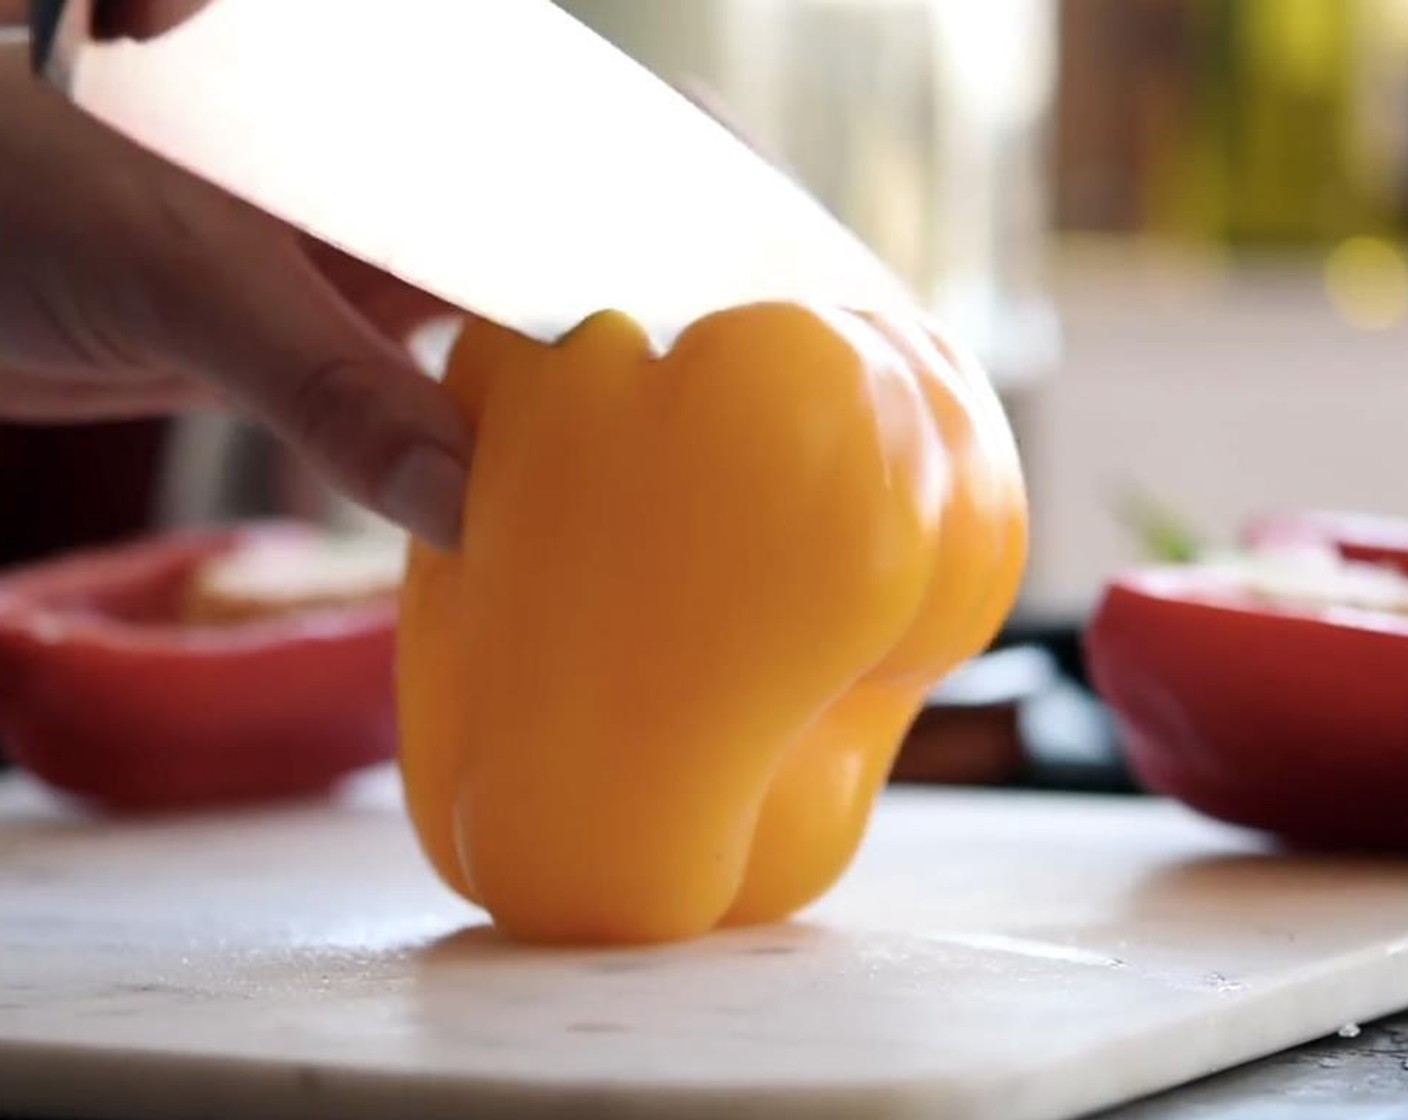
1005	956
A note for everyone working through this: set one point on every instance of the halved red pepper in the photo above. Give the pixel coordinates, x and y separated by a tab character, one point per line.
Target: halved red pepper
1283	709
1367	537
109	693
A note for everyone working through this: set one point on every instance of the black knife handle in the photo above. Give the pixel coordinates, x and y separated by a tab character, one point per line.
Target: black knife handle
58	28
44	19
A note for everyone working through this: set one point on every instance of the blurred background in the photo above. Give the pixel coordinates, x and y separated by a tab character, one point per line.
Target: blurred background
1173	229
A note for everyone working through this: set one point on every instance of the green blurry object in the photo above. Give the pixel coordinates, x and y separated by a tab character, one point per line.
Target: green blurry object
1164	535
1282	146
1279	108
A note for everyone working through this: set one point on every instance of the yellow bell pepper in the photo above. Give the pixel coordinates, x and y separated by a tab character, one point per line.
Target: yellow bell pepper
699	598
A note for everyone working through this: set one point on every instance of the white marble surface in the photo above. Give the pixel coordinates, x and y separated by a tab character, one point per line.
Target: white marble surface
995	955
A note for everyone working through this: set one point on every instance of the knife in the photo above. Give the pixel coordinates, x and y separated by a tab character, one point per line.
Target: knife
496	153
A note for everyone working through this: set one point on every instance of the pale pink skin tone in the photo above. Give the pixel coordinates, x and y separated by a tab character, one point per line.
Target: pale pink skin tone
129	288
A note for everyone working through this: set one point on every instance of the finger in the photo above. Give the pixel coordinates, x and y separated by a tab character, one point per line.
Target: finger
27	399
397	308
247	309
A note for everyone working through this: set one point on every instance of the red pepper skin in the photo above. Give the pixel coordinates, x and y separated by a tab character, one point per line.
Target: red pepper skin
1289	721
105	695
1365	537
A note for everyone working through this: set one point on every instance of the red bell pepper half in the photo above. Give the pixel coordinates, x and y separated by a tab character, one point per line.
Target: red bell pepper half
1368	537
108	694
1282	708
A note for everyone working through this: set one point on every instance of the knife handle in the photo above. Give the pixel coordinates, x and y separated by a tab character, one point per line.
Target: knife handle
58	27
44	19
51	21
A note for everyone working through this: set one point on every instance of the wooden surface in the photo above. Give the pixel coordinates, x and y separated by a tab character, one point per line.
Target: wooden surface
1001	955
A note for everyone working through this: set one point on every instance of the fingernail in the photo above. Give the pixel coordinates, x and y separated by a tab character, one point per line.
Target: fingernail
424	493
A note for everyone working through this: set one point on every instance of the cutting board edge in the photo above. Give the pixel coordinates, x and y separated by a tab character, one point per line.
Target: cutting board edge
1344	1007
243	1086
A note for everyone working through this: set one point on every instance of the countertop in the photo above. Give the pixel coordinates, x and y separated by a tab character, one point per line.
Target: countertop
1359	1078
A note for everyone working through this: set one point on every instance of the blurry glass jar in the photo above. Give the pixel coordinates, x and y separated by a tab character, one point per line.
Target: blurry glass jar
920	123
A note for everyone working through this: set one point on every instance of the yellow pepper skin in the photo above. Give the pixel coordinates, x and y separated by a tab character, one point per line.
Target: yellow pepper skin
699	598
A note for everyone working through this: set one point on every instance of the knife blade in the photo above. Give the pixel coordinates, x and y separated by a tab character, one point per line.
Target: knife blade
497	153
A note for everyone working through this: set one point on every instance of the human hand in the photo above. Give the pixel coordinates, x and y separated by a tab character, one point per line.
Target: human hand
129	288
